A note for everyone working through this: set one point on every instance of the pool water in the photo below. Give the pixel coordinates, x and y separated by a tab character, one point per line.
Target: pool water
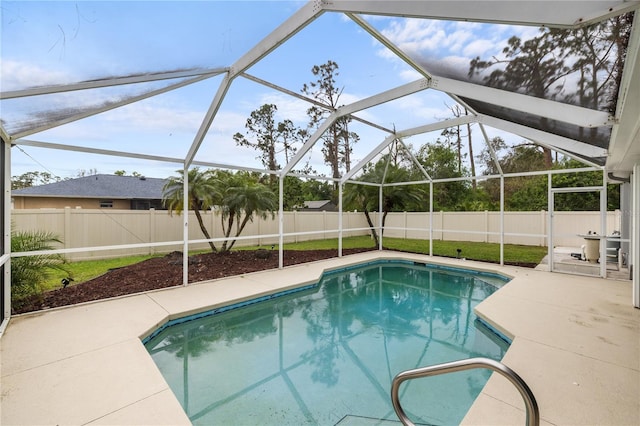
327	354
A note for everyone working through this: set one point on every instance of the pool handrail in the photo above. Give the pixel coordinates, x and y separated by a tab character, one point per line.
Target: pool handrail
532	412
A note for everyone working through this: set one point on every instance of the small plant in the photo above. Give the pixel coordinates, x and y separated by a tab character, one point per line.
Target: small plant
29	273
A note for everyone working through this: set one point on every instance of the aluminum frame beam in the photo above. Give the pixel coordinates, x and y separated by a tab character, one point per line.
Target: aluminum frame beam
124	154
561	14
111	82
555	142
108	107
404	133
360	105
388	44
310	100
567	113
300	19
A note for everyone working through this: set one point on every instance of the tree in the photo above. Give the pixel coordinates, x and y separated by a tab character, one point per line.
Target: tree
261	124
203	194
243	197
394	198
456	134
597	55
317	190
540	67
29	273
124	173
83	172
530	66
440	161
360	197
520	192
582	201
338	141
270	138
620	34
35	178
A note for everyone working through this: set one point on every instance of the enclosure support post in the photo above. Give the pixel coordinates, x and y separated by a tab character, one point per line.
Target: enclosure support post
431	218
185	230
339	219
380	217
603	226
5	227
634	256
550	205
280	221
502	220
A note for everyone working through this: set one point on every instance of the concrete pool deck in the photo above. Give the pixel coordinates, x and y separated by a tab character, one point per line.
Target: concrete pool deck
576	342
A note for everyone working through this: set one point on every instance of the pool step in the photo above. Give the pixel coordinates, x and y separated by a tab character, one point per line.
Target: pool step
368	421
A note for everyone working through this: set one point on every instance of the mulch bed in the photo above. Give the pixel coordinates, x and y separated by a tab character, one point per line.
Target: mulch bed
166	271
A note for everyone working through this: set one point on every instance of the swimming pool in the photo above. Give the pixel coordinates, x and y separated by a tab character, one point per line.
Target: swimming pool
327	354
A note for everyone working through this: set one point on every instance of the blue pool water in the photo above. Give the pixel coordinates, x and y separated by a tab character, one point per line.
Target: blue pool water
327	354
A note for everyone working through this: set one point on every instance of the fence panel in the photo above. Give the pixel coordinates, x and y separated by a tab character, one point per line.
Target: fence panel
79	228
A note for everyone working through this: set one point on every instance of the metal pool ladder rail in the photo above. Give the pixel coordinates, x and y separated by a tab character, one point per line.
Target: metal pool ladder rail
533	414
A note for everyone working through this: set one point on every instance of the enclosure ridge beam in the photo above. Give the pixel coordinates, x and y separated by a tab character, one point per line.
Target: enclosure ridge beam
567	113
111	82
567	13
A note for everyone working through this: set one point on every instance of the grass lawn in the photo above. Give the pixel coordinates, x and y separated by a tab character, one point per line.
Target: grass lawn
88	269
488	252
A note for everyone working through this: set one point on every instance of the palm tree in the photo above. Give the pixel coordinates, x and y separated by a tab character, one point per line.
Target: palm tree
243	198
394	198
28	273
204	193
361	197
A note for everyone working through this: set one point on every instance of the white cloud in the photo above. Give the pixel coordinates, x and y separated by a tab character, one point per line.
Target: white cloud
289	107
148	116
479	48
17	75
410	74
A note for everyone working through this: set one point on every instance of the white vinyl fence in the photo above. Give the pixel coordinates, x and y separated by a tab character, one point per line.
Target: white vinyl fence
83	228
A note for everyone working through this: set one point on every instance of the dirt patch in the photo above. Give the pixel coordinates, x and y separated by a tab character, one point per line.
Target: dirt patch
162	272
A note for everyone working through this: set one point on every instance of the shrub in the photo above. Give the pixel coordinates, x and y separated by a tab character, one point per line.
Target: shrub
29	273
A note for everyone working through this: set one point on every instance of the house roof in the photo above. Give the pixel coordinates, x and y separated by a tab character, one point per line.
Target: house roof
99	186
317	205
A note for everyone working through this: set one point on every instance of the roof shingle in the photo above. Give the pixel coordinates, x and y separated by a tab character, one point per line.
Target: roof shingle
99	186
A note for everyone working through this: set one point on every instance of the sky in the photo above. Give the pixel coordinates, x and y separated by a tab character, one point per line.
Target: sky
49	43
